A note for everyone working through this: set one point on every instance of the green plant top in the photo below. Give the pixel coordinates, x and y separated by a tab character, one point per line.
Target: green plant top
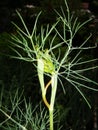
49	66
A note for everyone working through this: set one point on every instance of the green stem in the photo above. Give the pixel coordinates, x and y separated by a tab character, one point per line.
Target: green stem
53	83
52	101
40	70
51	119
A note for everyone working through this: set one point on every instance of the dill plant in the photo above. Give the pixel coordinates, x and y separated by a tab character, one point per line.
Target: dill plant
50	61
19	117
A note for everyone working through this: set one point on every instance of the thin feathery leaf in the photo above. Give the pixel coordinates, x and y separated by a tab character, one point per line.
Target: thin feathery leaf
23	23
35	25
85	78
14	121
20	30
61	83
85	41
16	39
81	84
65	41
51	29
84	62
14	50
17	45
23	58
52	41
23	39
63	14
56	46
86	69
42	44
76	62
47	29
84	48
76	57
81	93
84	23
76	28
74	25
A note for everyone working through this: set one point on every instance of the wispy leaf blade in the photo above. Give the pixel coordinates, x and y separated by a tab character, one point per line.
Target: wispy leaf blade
81	93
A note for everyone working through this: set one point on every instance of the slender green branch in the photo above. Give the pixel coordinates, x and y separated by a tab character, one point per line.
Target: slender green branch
14	121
